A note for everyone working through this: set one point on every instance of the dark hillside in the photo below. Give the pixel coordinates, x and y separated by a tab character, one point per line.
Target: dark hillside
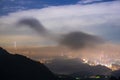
18	67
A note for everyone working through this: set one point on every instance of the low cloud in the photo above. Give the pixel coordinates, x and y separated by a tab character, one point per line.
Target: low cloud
90	19
73	40
78	40
34	24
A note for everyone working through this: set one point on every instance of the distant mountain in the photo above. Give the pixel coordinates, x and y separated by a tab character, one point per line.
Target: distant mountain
76	67
116	73
92	71
18	67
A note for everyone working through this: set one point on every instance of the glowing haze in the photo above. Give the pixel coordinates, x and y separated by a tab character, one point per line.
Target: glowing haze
76	25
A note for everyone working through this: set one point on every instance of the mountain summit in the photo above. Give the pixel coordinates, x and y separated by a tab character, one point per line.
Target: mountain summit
18	67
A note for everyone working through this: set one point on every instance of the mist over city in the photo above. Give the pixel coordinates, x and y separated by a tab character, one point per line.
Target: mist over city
60	40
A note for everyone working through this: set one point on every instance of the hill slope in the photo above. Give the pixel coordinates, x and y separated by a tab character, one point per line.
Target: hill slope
18	67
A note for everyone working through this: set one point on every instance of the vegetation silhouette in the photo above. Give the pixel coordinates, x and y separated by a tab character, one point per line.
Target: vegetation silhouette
18	67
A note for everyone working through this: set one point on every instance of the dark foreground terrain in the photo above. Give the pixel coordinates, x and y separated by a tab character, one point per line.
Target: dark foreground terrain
18	67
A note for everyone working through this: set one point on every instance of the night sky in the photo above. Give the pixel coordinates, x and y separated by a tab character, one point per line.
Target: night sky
8	6
95	17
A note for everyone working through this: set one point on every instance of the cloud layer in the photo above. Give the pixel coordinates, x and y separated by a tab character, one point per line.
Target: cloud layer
101	19
73	40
